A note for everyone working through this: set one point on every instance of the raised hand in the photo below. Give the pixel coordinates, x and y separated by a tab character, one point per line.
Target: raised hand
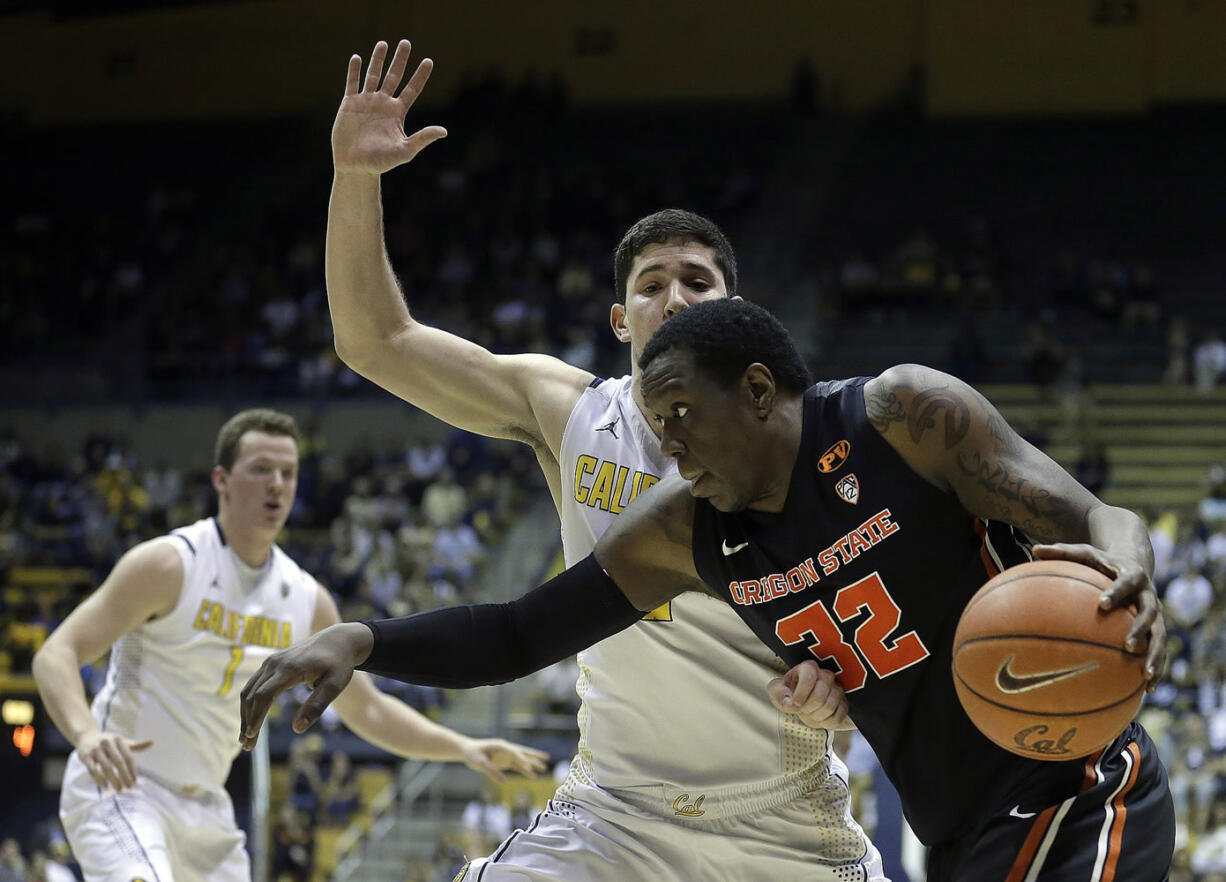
810	693
108	758
493	756
368	134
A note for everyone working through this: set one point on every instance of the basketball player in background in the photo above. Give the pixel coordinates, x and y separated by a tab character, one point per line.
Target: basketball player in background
848	521
761	795
188	616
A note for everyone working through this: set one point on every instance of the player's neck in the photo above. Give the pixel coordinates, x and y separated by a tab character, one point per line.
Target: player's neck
637	394
250	547
782	446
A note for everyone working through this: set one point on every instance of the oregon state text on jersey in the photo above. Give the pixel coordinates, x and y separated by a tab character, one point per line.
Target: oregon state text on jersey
176	679
874	590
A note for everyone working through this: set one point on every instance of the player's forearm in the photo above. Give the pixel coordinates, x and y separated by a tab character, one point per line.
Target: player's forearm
485	644
395	727
363	296
1121	533
63	694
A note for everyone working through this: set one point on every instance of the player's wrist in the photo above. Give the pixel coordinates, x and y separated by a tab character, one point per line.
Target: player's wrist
359	638
355	177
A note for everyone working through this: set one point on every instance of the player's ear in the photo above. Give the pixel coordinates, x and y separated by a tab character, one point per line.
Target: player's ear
617	321
760	383
218	477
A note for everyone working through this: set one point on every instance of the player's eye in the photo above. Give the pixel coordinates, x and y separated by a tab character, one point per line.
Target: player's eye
680	411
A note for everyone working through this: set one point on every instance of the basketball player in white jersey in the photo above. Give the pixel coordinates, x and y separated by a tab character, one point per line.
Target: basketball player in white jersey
684	770
188	617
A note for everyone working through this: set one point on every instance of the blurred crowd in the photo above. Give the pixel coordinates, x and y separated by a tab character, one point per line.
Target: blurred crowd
209	281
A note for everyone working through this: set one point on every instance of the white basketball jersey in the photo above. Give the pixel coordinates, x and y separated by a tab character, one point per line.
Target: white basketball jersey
680	697
177	679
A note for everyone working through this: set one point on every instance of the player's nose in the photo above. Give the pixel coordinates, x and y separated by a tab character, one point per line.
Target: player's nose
670	444
676	299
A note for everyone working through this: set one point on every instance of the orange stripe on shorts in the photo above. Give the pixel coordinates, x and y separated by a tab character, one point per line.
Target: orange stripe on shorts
1024	857
981	531
1038	829
1121	813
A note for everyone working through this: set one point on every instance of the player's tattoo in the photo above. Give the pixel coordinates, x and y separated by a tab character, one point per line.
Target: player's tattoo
1042	515
883	408
927	405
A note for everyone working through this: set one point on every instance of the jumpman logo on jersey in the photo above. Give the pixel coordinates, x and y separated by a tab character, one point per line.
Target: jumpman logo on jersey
610	427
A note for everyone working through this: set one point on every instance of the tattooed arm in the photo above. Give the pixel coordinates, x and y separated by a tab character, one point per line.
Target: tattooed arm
955	439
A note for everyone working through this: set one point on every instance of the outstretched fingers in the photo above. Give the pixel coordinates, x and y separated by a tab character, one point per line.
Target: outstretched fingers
354	76
395	71
374	72
417	82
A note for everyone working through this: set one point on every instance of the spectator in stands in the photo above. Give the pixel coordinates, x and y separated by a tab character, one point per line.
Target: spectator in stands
293	846
1046	359
487	821
1188	597
1209	853
305	779
340	790
1093	467
1212	508
1177	371
1209	361
444	501
557	688
457	550
12	864
60	861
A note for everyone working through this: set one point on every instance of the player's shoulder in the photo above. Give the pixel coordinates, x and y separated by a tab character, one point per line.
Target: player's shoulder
154	565
196	538
907	379
603	391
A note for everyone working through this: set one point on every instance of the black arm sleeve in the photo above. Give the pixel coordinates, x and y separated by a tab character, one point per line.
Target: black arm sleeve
482	644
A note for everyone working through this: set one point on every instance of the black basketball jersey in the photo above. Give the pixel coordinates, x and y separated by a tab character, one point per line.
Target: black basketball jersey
868	568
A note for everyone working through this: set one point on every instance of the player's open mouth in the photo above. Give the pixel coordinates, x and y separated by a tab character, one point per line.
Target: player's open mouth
696	482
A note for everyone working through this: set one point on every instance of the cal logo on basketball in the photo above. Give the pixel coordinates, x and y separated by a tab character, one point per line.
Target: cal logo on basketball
608	486
238	628
833	459
848	489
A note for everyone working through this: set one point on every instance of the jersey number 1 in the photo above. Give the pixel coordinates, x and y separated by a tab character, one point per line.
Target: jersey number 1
227	679
871	644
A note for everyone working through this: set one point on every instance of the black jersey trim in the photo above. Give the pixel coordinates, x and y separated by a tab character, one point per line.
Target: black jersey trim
502	849
186	541
596	381
220	535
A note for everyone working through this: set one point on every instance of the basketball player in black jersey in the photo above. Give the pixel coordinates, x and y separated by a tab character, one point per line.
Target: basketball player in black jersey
848	523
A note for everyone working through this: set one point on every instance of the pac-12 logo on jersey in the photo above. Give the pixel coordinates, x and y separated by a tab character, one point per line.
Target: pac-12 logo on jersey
832	460
848	489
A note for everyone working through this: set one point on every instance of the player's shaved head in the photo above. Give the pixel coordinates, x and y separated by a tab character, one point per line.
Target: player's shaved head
727	336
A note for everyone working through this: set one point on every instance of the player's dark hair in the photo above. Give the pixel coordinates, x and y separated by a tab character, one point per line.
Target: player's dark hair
727	336
258	419
673	223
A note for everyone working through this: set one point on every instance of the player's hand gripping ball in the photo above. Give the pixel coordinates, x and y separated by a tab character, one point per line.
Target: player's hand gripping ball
1040	669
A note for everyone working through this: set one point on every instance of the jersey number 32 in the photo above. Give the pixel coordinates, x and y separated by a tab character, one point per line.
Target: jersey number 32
872	644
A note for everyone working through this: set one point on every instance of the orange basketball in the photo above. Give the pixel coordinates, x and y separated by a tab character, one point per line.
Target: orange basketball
1040	669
